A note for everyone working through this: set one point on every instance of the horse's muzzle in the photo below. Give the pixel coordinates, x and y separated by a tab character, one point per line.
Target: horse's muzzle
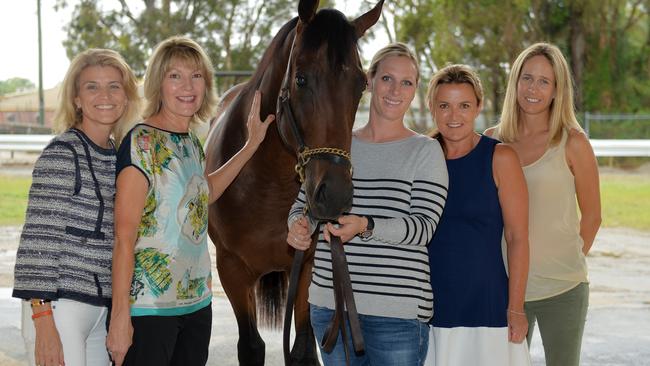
330	198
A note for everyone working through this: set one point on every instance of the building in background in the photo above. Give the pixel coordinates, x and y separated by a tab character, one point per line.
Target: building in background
19	111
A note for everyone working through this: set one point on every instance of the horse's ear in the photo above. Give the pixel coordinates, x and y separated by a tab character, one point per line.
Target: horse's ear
307	9
367	20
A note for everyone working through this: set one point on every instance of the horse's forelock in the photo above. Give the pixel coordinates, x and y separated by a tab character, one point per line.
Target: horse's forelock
330	26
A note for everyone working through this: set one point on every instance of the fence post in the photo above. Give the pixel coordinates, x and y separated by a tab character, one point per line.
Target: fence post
587	123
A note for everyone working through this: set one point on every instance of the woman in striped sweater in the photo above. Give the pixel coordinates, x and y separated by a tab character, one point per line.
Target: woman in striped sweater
63	264
400	187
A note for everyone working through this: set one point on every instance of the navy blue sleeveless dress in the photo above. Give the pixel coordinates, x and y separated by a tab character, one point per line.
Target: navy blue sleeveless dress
468	275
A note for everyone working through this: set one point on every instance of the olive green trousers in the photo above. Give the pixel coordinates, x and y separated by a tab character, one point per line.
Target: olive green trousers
561	321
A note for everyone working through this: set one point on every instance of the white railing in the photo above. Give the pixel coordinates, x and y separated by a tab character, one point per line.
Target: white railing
29	143
36	143
621	147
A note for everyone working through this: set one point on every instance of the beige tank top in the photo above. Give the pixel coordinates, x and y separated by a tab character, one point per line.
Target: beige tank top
557	263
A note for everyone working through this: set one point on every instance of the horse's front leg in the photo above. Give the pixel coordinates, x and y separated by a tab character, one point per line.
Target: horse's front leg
304	346
238	281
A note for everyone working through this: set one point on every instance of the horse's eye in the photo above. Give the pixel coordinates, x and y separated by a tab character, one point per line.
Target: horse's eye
301	81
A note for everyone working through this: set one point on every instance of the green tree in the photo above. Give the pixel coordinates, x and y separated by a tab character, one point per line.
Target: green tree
484	34
618	62
234	33
607	43
15	84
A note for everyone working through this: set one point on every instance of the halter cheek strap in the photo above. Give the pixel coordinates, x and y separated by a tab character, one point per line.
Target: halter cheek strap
304	153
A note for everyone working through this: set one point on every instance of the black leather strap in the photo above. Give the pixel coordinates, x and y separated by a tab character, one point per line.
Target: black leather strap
296	267
344	299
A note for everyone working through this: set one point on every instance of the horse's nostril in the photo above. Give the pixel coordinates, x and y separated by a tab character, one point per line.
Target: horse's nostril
321	193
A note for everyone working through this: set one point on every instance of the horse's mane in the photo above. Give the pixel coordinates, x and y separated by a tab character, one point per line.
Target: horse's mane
328	25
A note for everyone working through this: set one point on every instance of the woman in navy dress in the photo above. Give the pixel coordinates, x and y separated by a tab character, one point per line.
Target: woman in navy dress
478	312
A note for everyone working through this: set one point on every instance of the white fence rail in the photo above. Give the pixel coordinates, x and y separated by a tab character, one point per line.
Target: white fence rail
36	143
29	143
621	147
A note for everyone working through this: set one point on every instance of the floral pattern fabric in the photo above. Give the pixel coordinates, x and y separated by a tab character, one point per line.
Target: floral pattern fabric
172	270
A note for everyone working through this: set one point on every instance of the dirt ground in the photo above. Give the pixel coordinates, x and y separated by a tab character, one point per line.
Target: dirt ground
617	330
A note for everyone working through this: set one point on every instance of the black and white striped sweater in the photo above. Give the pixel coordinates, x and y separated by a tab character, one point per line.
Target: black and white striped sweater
66	244
403	186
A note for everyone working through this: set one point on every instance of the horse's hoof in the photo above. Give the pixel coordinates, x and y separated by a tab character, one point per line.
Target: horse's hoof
251	353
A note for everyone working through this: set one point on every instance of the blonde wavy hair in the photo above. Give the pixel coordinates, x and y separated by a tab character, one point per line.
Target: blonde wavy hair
68	115
562	109
393	49
453	74
186	51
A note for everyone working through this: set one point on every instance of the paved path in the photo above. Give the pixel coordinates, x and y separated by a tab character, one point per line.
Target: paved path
617	330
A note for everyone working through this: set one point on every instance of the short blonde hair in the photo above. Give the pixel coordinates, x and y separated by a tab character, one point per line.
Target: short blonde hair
393	49
185	50
67	115
453	74
562	108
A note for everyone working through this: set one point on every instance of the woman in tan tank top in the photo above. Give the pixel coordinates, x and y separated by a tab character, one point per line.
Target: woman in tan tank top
561	171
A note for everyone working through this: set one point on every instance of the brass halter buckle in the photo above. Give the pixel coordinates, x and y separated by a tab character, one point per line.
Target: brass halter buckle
305	155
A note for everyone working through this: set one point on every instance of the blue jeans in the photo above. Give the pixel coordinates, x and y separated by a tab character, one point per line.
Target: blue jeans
388	341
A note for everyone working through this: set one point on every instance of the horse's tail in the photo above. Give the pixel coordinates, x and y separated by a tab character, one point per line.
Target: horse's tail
271	293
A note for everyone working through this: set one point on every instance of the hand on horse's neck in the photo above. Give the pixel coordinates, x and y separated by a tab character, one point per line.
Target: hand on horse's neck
385	131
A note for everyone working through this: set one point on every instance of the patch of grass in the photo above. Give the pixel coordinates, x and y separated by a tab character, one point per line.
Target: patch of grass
13	199
625	200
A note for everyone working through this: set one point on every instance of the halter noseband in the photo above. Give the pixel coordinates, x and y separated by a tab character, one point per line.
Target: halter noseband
304	153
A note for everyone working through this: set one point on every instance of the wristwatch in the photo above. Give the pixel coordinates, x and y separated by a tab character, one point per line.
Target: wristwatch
366	233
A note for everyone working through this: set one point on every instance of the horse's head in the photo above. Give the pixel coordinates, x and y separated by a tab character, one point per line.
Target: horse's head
322	87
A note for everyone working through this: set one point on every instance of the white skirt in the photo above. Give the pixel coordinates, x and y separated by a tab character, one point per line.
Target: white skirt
482	346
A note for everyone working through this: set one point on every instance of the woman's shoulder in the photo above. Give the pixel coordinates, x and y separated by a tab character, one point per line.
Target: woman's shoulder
491	132
505	154
65	141
576	139
424	139
59	154
139	129
426	143
577	142
141	126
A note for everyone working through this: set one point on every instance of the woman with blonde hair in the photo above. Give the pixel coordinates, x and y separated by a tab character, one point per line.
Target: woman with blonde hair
64	257
478	309
539	123
161	310
400	186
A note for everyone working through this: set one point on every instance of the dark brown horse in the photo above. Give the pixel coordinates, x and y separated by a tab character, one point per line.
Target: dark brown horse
317	56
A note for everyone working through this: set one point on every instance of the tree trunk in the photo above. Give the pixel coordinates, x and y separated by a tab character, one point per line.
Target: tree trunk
577	49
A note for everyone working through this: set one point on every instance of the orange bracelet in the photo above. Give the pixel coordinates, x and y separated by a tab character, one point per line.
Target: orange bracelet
42	313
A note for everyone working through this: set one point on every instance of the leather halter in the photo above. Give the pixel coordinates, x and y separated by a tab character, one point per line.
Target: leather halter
304	153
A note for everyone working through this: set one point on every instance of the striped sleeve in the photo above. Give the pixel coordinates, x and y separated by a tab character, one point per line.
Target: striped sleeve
297	210
428	195
54	180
